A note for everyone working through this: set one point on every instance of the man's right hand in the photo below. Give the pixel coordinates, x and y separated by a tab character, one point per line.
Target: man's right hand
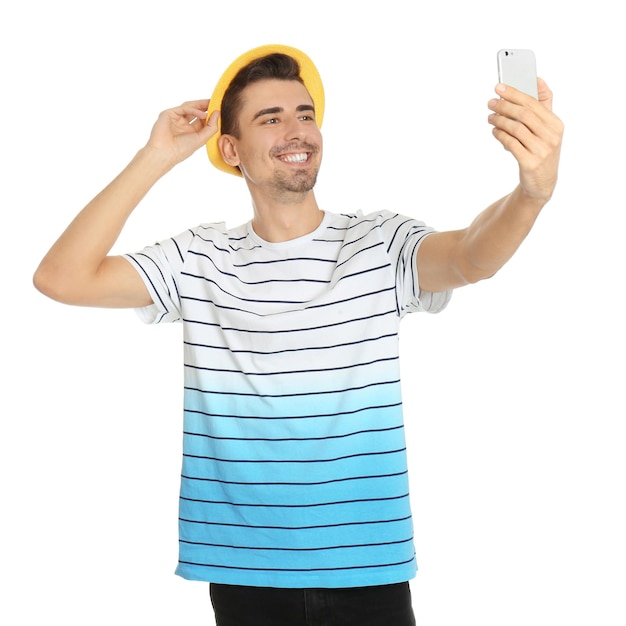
180	131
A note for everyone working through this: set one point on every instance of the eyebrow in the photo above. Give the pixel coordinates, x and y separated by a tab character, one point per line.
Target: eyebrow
274	110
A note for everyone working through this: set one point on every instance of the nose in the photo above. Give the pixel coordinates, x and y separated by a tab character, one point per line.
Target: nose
295	129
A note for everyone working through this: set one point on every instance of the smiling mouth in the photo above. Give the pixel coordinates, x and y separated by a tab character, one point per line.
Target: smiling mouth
297	153
300	157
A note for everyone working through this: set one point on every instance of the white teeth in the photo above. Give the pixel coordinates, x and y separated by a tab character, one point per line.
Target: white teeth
296	158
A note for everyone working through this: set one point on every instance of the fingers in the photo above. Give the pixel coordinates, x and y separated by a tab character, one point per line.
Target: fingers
511	132
513	102
528	128
189	119
192	110
195	105
195	112
519	100
523	117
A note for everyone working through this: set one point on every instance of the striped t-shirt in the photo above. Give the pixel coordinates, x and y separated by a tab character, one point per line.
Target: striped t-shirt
294	464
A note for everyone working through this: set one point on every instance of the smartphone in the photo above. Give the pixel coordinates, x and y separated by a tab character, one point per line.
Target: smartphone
518	68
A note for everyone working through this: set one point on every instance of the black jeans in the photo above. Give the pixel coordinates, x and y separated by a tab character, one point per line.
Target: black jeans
385	605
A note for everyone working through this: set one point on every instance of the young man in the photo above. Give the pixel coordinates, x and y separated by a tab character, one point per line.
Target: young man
294	497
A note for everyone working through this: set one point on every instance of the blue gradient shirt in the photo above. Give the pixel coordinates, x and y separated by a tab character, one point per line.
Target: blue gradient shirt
294	457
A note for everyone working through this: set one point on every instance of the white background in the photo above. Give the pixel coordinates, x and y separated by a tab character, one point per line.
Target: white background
514	396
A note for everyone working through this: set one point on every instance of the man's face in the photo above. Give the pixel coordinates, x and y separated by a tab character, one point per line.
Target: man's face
279	145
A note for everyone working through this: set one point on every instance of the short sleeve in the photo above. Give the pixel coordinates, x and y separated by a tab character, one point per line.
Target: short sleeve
159	266
403	236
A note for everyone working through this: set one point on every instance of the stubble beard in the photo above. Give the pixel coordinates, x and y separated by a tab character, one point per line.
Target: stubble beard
298	181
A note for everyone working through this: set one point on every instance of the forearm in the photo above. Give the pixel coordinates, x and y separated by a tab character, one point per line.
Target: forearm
75	258
496	233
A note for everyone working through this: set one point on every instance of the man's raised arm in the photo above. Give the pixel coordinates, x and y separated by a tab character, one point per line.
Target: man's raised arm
77	270
528	129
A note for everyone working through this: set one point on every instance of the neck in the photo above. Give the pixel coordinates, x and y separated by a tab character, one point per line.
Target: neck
289	218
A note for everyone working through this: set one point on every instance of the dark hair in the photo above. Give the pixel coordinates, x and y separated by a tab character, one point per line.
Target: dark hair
275	66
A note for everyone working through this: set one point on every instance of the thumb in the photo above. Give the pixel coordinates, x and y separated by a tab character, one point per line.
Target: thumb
210	127
544	94
206	131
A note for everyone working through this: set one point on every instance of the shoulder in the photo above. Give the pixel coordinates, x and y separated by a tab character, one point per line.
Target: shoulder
211	234
387	225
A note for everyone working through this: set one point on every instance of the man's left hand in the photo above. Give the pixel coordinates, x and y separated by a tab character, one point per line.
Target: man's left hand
529	129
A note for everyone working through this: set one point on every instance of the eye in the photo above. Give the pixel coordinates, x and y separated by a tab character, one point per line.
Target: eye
271	120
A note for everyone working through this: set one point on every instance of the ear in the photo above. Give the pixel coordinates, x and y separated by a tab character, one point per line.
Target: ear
228	148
